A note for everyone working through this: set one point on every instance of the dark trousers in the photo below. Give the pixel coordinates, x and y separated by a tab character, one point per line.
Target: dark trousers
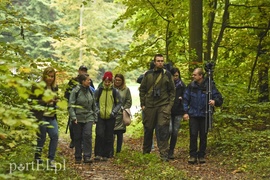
82	139
50	127
197	128
174	129
156	118
104	137
119	134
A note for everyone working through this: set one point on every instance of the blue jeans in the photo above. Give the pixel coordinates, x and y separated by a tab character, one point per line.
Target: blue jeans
174	129
50	127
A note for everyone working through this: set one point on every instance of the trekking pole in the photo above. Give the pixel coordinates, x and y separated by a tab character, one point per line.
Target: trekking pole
67	125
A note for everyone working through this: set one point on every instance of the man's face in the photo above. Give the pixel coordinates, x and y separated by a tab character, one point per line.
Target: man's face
196	76
159	62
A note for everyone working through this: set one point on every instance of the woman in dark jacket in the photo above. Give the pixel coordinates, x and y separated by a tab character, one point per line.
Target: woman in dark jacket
46	115
82	111
120	128
177	111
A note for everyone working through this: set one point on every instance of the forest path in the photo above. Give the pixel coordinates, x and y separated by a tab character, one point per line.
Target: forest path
211	170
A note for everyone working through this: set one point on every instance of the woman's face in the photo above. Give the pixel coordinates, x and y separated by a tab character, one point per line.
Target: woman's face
118	81
107	83
86	83
176	76
50	78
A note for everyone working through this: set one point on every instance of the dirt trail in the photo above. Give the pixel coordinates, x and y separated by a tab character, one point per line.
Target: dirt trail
212	170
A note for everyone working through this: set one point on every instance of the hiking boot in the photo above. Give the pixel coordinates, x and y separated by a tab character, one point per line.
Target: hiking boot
87	160
104	159
201	160
192	160
52	164
97	158
71	145
171	152
77	161
171	156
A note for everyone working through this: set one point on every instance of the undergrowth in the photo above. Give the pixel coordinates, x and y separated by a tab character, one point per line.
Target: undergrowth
135	165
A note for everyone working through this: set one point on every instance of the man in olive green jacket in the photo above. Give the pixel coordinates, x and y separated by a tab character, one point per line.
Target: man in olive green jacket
157	93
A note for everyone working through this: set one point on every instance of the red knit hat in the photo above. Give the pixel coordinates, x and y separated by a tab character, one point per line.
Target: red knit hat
107	75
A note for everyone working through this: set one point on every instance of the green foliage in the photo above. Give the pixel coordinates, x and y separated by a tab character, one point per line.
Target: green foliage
135	129
243	149
148	166
91	41
20	165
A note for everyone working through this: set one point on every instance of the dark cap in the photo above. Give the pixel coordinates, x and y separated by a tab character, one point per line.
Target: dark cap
83	68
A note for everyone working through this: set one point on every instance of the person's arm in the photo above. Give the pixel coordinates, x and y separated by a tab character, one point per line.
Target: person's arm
216	97
186	99
172	91
143	90
71	105
118	105
128	100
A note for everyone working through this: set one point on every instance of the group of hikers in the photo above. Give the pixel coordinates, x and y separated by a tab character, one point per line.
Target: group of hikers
164	101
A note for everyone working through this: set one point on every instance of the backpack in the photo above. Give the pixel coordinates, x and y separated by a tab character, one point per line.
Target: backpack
77	93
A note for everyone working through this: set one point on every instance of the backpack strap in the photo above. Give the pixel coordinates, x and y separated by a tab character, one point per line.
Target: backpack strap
77	93
157	80
114	96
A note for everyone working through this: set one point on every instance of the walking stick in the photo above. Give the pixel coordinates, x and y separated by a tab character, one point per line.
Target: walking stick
68	124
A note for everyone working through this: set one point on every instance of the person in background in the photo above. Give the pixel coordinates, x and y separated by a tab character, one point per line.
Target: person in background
47	116
82	111
108	102
194	103
120	128
71	85
157	92
177	110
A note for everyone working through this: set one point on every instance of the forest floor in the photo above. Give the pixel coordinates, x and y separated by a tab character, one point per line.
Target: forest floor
211	170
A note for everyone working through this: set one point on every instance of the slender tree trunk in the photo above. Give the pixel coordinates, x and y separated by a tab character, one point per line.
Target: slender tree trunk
195	32
263	81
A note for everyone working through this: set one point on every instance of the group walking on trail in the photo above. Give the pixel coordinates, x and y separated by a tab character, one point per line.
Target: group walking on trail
164	99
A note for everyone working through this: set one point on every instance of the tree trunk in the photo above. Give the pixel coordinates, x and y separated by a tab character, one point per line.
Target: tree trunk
195	33
263	81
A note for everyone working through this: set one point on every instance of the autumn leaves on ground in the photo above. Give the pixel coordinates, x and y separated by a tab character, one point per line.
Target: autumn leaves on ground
131	164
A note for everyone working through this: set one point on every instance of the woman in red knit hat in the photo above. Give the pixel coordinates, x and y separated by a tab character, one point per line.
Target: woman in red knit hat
108	101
